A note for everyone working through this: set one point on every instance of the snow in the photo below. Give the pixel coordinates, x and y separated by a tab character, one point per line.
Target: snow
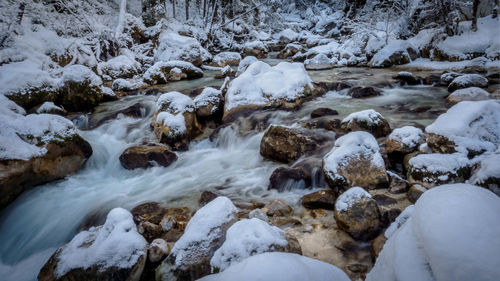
221	59
468	80
352	146
395	46
80	74
288	35
176	123
116	244
450	235
245	63
107	91
347	199
489	169
370	116
279	267
20	77
469	94
409	136
261	84
208	96
471	125
173	46
437	163
246	238
255	45
47	107
120	66
320	61
447	65
175	102
400	220
204	227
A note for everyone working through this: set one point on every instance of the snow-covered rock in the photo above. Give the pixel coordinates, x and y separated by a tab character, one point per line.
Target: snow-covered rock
469	127
319	62
466	81
226	71
487	174
50	108
245	63
404	140
164	71
288	36
255	48
279	267
447	77
290	50
119	67
451	234
367	120
248	237
175	123
145	156
357	213
468	94
284	85
395	53
434	169
226	58
114	250
355	160
173	46
121	84
209	103
204	234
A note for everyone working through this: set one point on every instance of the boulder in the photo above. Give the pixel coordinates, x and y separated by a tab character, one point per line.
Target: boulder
447	77
226	58
158	250
322	199
205	233
119	67
395	53
162	72
114	251
487	173
209	104
466	81
328	123
206	197
323	111
357	213
404	140
49	108
355	160
226	71
123	85
287	36
277	208
245	63
290	50
434	169
363	92
287	145
319	62
255	48
175	47
286	179
468	94
414	192
407	78
367	120
145	156
397	184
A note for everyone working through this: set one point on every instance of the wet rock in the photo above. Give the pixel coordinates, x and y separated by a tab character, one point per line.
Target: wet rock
145	156
377	244
290	50
397	184
287	145
467	94
286	179
415	192
363	92
383	200
388	216
435	169
368	121
432	79
328	123
277	208
209	104
357	214
158	249
114	251
407	78
323	111
466	81
136	110
206	197
323	199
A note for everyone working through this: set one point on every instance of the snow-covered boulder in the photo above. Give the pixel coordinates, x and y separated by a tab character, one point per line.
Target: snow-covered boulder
280	267
245	63
447	77
363	92
173	46
164	71
466	81
290	50
395	53
255	48
284	85
119	67
434	169
406	77
357	213
322	199
487	173
157	250
287	36
50	108
114	250
355	160
319	62
35	149
468	94
145	156
226	71
210	103
249	237
175	123
451	234
404	140
80	89
204	234
470	127
226	58
286	145
121	84
367	120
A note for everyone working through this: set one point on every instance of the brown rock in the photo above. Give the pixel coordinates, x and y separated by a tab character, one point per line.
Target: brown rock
145	156
323	199
415	192
277	208
377	245
363	92
322	111
285	179
206	196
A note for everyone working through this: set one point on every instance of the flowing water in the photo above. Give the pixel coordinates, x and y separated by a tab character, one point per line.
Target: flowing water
48	216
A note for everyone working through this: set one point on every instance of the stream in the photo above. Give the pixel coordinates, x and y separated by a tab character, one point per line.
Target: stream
48	216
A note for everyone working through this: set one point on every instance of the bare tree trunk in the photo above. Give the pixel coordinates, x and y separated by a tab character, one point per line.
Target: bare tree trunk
204	8
475	6
173	8
20	13
186	5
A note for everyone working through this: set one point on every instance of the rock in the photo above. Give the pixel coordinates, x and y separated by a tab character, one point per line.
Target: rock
319	62
255	48
377	244
287	36
487	173
384	200
136	110
395	53
466	81
323	111
446	78
363	92
407	78
176	74
367	120
468	94
226	71
205	233
287	145
290	50
355	160
404	140
124	85
119	67
114	251
286	179
209	103
323	199
226	59
277	208
162	72
145	156
158	249
259	214
175	47
206	197
388	216
357	214
249	237
245	63
328	123
415	192
397	184
434	169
